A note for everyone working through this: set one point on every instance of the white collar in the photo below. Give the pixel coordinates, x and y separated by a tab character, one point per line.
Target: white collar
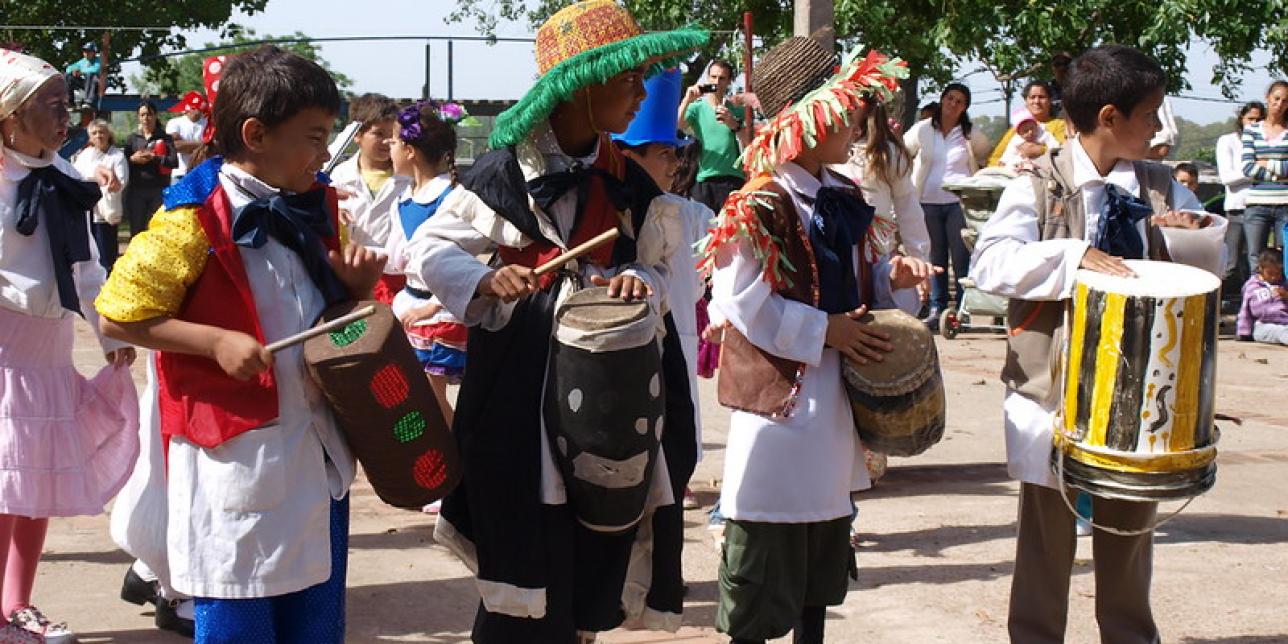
18	165
433	189
1085	173
249	186
802	183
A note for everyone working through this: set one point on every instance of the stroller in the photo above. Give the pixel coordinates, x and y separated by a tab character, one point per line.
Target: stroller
979	196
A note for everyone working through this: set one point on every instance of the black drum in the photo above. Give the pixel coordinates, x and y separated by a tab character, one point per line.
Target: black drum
604	406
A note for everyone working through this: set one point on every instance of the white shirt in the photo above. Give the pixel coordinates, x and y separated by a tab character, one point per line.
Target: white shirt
26	267
251	518
1229	166
86	161
369	212
185	129
801	468
1009	260
396	248
899	200
948	167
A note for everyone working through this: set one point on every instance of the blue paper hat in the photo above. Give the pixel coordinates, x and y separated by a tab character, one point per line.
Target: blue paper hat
655	122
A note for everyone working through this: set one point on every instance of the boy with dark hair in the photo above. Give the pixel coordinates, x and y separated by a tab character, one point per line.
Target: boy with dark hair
1082	211
1187	174
245	251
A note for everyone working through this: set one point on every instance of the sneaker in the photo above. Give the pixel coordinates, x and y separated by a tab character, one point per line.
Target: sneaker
433	508
137	590
15	634
34	621
690	500
175	615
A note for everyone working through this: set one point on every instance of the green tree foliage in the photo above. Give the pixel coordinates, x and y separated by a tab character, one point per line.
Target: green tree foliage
1198	142
62	47
183	73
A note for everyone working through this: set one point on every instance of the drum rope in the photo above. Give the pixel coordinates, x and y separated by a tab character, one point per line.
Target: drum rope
1064	496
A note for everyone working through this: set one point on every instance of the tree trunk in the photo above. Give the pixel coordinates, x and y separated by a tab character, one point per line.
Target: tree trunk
911	101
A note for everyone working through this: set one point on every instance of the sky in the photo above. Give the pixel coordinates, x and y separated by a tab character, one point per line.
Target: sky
506	70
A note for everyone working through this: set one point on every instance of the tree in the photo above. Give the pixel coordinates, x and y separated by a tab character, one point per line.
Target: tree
61	47
177	75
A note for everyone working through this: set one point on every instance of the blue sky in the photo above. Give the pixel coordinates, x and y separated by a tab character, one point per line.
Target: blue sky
506	70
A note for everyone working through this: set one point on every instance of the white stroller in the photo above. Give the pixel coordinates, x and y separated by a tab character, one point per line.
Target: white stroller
979	196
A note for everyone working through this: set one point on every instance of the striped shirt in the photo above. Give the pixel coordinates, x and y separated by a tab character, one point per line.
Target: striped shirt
1270	184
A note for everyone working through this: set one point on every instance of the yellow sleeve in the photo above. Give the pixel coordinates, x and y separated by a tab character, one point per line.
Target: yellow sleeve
995	159
152	278
1057	129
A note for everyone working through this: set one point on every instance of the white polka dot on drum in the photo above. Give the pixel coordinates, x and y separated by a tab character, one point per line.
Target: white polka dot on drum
563	445
655	385
574	400
641	425
659	427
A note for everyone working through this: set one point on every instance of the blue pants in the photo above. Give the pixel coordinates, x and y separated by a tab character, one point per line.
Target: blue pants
314	615
1259	223
945	222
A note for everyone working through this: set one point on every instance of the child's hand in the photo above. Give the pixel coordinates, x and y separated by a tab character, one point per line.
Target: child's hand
714	333
509	283
1181	219
359	268
907	272
628	287
418	314
1101	262
240	355
856	340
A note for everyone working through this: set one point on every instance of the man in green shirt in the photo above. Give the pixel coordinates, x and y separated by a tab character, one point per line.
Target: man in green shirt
717	123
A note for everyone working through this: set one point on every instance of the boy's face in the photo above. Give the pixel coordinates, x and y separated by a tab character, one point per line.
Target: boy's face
614	102
1128	135
1188	180
835	147
290	155
659	161
373	144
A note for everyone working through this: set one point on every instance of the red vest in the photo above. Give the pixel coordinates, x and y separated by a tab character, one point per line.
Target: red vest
197	400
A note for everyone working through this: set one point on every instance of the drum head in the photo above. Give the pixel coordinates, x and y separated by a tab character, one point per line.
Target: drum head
1153	279
903	369
592	310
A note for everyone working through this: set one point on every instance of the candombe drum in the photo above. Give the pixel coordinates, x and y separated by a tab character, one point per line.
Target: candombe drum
1136	417
898	403
384	405
604	405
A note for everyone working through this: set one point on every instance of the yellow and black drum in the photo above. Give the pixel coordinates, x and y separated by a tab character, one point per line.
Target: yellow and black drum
1136	419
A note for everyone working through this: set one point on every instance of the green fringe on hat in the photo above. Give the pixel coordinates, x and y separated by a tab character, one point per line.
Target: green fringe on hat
590	68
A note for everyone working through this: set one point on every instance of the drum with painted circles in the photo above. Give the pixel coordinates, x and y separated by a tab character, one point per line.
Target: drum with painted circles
384	405
1135	419
898	403
604	406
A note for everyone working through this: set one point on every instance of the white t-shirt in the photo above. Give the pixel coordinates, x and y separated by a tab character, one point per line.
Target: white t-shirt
952	166
184	129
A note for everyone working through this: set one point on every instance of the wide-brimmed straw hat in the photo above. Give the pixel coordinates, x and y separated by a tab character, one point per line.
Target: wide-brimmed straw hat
585	44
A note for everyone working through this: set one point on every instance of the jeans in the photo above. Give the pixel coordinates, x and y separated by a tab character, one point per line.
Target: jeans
945	222
108	245
1270	333
1236	250
1259	223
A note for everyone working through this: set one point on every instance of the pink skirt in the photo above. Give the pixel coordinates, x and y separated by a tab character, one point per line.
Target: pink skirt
67	444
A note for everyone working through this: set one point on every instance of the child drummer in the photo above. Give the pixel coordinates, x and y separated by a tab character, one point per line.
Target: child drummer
258	472
1091	209
553	180
795	267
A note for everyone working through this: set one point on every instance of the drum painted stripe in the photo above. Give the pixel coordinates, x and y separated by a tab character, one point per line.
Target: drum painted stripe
1076	335
1108	355
1188	372
1137	463
1094	309
1207	375
1124	419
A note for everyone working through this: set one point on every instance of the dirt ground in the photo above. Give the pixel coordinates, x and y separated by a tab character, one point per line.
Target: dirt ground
937	538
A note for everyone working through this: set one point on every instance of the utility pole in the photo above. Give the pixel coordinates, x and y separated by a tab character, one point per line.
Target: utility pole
815	19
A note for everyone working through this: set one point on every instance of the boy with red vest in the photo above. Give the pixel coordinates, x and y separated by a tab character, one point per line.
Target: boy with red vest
244	252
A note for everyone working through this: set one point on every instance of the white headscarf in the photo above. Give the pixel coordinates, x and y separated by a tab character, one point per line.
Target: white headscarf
20	76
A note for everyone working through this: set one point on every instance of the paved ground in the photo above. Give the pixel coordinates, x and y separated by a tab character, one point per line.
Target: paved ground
935	562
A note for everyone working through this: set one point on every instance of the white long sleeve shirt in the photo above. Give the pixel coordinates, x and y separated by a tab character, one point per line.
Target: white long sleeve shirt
897	200
1229	167
801	468
369	212
1011	261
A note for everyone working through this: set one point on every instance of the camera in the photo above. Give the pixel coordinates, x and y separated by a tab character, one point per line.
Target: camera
707	88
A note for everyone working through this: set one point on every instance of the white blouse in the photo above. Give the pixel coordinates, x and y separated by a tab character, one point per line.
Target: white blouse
953	165
87	161
1229	166
898	200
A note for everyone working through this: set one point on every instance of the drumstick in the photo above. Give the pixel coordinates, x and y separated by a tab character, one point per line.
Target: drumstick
576	252
325	327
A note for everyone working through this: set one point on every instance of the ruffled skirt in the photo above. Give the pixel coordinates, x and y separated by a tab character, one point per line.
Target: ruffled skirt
67	444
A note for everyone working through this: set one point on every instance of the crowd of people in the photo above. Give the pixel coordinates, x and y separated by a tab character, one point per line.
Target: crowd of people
770	235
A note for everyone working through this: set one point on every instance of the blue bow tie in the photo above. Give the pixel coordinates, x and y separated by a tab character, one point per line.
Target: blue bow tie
1117	234
299	222
840	220
62	203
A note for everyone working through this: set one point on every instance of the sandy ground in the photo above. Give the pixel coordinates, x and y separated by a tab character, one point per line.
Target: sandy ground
937	549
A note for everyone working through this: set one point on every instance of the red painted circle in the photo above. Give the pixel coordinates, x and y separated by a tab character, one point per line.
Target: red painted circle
389	386
430	471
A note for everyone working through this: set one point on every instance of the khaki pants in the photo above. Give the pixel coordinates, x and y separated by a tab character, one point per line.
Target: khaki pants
1044	562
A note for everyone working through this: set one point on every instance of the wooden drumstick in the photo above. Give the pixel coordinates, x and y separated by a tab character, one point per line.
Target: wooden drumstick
576	252
326	327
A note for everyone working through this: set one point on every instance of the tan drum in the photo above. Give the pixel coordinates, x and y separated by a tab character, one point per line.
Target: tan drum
898	403
384	405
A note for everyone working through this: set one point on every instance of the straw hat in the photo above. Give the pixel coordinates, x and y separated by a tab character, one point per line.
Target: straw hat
585	44
789	71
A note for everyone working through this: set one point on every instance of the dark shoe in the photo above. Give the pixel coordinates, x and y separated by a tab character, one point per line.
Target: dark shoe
932	319
138	591
168	618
